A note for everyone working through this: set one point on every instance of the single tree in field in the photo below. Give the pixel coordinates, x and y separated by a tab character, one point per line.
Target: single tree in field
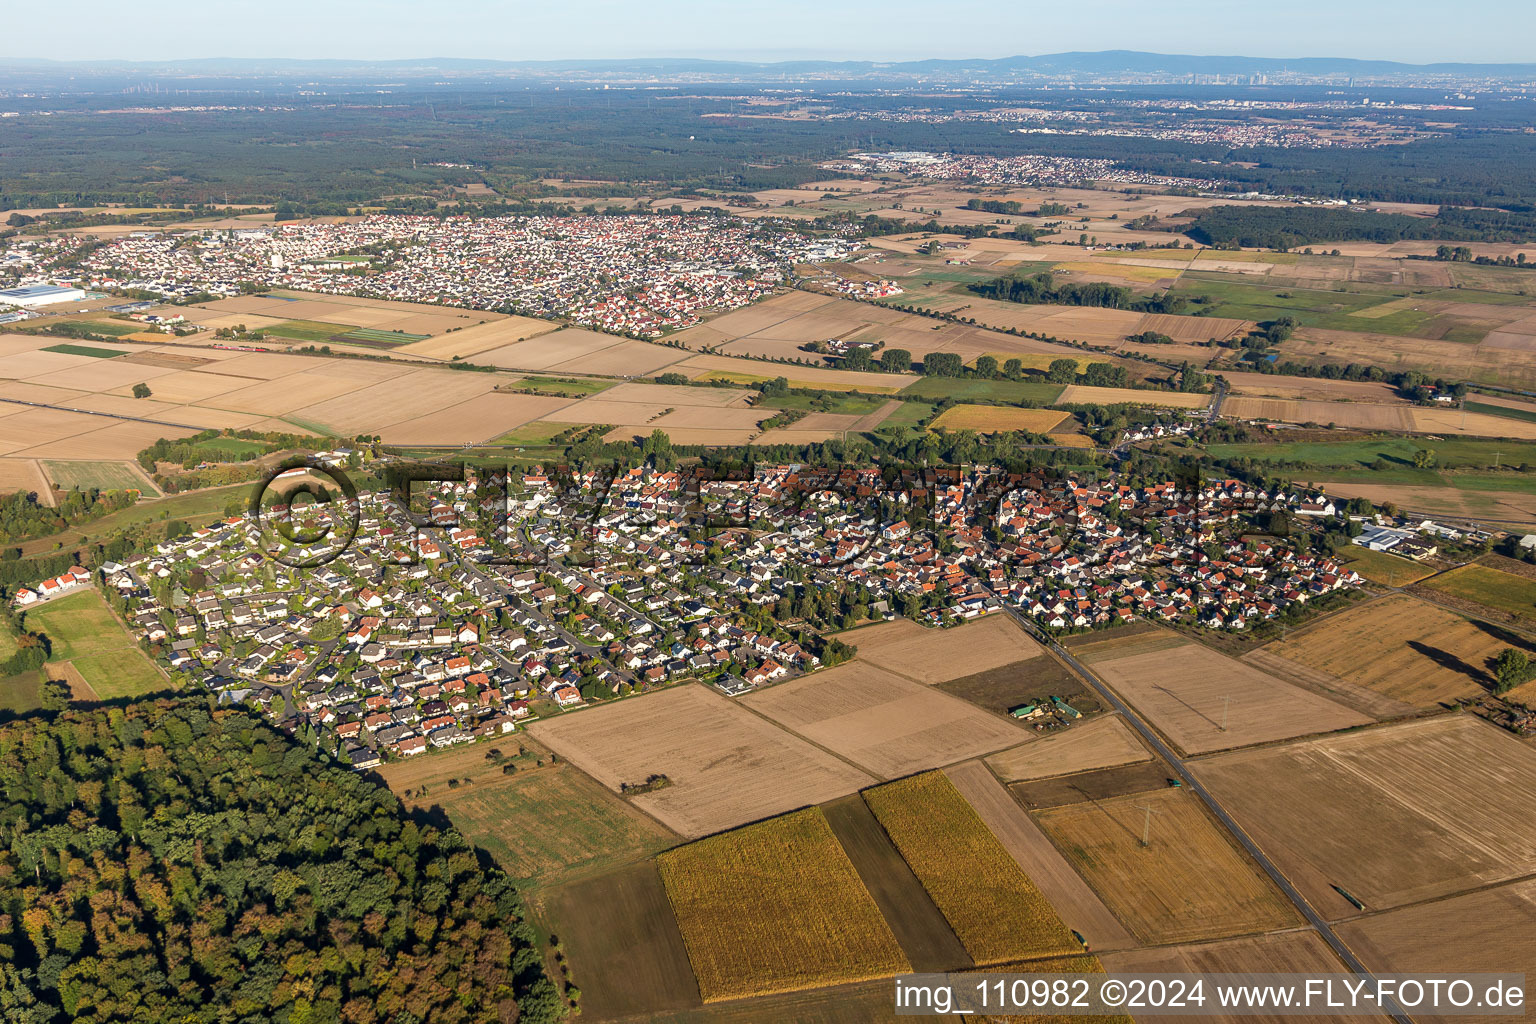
141	391
1424	458
1062	371
1510	669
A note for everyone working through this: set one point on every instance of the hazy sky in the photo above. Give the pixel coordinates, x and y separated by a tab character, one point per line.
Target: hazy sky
1408	30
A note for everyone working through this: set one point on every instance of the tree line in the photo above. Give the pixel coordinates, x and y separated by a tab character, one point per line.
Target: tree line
1042	289
1287	227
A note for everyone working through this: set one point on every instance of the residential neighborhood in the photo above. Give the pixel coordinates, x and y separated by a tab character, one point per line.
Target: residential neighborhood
534	593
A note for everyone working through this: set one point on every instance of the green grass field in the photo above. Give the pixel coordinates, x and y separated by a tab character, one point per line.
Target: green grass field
1528	415
1310	307
375	336
581	828
19	693
843	403
84	350
85	633
1381	567
1482	585
308	330
971	389
236	447
537	432
116	328
106	476
908	416
1397	452
568	387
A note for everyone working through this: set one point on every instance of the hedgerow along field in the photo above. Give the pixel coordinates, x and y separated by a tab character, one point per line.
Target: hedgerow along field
996	910
774	907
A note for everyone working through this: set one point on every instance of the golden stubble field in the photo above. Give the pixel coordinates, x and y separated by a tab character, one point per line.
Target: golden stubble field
1400	647
1394	815
1191	881
1204	701
779	326
886	724
1370	416
989	419
938	655
1104	742
1490	930
403	402
727	765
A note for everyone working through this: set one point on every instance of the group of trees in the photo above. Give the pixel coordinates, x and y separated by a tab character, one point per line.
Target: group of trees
1510	669
1462	254
203	447
31	648
23	517
1042	289
169	860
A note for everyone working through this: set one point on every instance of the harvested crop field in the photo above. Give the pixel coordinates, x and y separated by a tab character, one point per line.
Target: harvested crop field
1501	509
1081	394
1366	416
575	350
483	417
727	766
1203	701
939	655
1343	414
774	907
1090	786
468	342
886	724
1403	648
406	397
345	311
1104	742
1394	815
622	939
23	475
1079	908
1491	930
819	377
996	910
1299	951
404	403
1274	385
778	327
1189	882
1192	328
988	419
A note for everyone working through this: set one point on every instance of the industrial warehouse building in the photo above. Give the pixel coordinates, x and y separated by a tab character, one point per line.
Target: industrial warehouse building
40	295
